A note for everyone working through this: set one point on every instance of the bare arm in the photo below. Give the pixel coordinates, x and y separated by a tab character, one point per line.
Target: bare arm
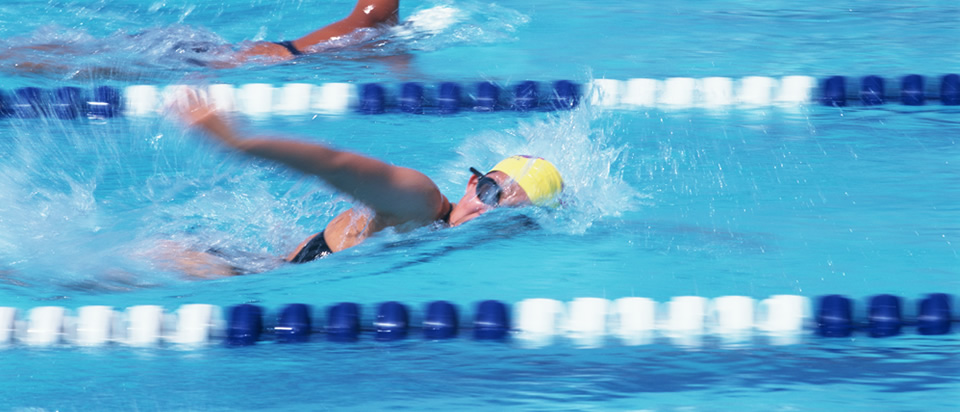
367	13
398	192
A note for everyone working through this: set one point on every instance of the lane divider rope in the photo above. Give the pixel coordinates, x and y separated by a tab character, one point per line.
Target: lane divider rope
683	320
260	99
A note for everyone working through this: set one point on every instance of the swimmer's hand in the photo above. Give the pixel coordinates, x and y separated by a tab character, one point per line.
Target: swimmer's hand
194	111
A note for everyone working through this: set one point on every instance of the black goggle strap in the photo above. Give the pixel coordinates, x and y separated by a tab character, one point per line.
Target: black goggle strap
476	172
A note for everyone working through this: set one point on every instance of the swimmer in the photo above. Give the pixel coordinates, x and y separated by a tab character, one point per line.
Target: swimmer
391	196
367	14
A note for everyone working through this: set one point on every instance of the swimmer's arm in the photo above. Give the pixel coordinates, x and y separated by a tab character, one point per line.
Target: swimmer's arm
367	13
398	192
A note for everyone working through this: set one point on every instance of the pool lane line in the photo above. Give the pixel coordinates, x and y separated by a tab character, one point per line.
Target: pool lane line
592	322
448	98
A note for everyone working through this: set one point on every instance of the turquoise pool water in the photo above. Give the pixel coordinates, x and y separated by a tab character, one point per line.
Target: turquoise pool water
809	200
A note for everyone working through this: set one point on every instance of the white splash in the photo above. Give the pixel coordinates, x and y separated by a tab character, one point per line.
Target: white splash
583	145
432	20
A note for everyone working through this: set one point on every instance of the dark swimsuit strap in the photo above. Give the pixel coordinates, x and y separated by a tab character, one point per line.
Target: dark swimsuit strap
315	249
290	47
446	216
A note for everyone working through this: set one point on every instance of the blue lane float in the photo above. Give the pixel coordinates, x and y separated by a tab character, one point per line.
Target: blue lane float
526	97
933	315
6	104
411	98
67	102
884	316
911	90
294	324
871	91
488	97
448	99
28	103
492	321
343	322
245	325
835	91
393	321
441	321
950	90
566	95
835	317
105	103
372	100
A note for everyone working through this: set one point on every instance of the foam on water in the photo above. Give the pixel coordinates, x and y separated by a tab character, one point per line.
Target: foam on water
85	206
51	211
458	23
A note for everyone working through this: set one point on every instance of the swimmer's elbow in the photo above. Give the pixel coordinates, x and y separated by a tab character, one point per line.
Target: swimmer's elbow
376	12
408	196
429	204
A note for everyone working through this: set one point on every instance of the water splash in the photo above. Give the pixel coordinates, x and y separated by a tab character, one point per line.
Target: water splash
82	209
583	145
52	223
451	23
74	54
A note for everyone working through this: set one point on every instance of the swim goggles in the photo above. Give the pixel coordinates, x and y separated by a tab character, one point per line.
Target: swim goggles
488	190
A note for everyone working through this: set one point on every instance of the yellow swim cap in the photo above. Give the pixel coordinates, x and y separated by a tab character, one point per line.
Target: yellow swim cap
536	176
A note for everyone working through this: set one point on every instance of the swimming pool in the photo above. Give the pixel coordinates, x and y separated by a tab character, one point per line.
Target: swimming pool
664	202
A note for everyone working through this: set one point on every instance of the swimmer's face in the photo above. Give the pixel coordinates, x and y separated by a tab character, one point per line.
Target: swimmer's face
475	203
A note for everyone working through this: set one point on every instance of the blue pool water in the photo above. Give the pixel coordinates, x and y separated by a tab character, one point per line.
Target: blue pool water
809	200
